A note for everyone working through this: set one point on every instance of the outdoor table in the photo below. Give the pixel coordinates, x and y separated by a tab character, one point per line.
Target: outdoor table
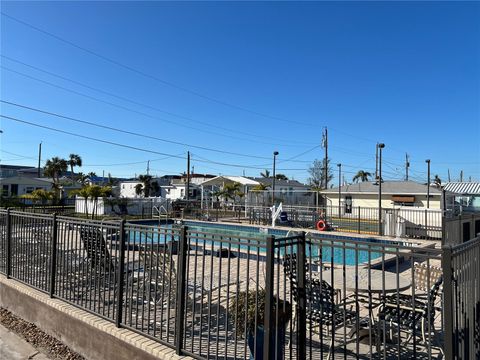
376	286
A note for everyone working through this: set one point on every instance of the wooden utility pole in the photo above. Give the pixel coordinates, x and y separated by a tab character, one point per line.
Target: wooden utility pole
39	158
325	165
407	165
187	195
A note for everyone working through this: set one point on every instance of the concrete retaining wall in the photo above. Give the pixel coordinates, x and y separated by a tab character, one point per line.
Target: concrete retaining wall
87	334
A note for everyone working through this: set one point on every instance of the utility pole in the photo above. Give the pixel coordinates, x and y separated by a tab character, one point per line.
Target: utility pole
428	183
407	165
448	175
461	175
380	230
325	165
148	167
188	177
376	162
339	188
39	158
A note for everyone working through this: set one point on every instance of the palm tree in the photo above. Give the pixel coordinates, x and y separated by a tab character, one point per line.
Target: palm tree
362	176
147	184
96	192
54	168
260	187
265	174
84	192
39	195
139	189
91	174
82	178
74	160
281	177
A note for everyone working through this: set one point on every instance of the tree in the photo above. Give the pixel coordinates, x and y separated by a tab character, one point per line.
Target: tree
230	191
437	181
260	187
281	177
92	174
265	174
82	178
74	160
138	189
40	195
362	176
84	192
96	192
54	168
147	185
317	174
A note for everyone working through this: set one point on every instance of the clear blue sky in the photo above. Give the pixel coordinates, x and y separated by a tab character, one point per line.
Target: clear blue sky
246	78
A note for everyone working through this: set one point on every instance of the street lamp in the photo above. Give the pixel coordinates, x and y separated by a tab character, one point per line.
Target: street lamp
428	183
339	188
380	147
275	153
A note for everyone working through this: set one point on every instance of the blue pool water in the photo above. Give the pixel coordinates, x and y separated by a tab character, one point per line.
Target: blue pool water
356	251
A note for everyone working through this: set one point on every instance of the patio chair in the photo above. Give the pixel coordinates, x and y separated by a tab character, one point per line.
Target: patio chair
321	307
95	246
159	281
411	314
103	266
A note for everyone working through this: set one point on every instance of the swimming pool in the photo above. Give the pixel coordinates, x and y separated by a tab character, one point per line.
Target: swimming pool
327	247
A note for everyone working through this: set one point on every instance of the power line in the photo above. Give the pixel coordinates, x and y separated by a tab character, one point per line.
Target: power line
124	145
138	112
153	77
127	131
237	131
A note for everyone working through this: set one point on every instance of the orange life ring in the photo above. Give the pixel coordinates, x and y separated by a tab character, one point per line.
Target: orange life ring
321	225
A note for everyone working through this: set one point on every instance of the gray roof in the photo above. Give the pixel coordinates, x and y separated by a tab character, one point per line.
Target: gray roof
464	188
388	187
269	181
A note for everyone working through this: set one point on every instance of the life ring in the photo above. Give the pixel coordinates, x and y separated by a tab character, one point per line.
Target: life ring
321	225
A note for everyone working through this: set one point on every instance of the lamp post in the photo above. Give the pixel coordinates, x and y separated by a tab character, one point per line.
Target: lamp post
380	147
275	153
428	183
339	188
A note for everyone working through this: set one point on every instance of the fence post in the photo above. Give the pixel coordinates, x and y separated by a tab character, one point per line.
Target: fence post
268	349
302	301
121	274
426	224
53	256
359	219
448	300
181	271
9	244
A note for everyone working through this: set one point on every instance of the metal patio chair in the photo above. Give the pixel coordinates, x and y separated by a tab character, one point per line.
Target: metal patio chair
159	281
411	314
321	308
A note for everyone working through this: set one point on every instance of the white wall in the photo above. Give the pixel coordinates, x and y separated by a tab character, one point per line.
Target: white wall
135	206
127	189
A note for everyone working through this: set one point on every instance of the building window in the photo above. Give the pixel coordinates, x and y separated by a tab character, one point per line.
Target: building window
14	189
5	190
29	189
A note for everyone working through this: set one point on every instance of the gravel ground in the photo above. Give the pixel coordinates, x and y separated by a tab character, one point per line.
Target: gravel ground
43	342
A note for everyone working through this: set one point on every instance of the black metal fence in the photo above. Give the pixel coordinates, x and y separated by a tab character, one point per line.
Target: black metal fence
213	294
408	223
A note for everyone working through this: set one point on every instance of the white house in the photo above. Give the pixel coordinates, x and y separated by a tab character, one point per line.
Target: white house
20	185
394	195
